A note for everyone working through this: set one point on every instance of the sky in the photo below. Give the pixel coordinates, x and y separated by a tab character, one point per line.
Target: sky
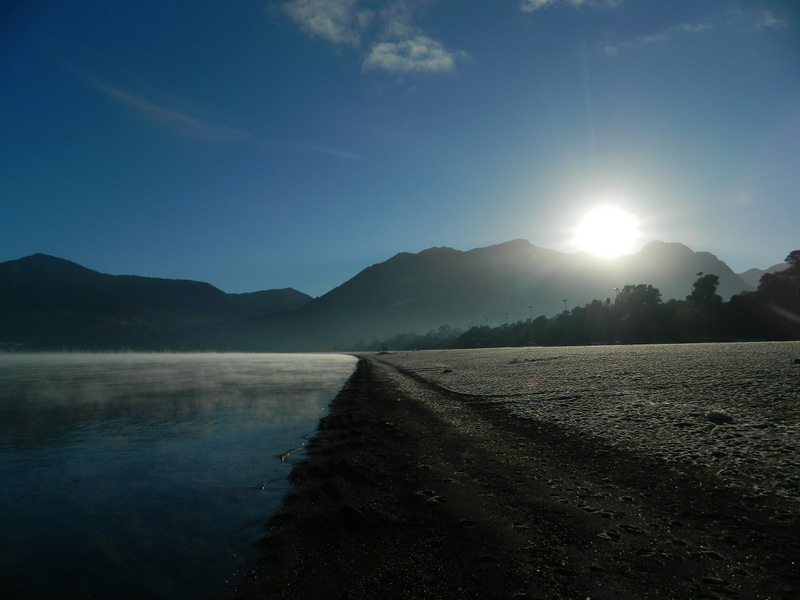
272	144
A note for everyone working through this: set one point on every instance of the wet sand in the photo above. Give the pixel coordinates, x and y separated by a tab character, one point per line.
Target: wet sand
546	473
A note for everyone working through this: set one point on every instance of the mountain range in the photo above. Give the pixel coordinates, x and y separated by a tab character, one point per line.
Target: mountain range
52	303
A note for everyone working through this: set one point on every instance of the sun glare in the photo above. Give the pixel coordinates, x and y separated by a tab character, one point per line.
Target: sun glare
607	231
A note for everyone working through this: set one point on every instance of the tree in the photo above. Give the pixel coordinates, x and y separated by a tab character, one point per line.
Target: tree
783	287
705	304
638	308
638	297
704	292
779	299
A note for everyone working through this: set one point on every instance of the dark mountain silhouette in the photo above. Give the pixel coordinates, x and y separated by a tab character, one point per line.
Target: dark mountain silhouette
673	268
48	302
752	277
268	302
510	281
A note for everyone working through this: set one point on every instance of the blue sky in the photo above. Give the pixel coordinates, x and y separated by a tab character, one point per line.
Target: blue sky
260	145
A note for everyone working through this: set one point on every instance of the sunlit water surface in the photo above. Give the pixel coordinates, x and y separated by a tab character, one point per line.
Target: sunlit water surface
148	475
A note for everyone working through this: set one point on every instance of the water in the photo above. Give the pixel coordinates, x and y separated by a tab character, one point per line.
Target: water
148	475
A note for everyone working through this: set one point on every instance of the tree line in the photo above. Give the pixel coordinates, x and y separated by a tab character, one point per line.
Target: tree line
638	315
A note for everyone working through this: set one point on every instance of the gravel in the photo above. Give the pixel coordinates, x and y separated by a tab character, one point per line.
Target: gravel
733	409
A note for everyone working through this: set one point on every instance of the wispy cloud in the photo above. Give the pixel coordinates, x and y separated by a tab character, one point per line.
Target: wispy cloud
390	38
329	151
532	5
177	120
736	21
658	37
180	122
183	122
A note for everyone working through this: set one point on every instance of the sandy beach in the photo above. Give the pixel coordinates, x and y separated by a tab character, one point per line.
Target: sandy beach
615	472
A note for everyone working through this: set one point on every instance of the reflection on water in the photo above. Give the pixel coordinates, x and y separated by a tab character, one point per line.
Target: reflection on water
147	475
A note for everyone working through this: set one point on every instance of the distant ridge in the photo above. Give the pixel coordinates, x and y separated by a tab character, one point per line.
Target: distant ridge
50	303
753	276
505	282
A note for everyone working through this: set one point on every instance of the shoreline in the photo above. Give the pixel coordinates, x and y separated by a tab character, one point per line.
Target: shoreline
413	490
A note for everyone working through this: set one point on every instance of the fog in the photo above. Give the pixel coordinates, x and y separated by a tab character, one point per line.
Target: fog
148	475
45	396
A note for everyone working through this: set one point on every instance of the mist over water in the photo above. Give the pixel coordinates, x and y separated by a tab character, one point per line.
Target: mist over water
148	475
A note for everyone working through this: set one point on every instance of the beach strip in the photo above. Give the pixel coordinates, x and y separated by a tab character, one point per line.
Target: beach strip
411	490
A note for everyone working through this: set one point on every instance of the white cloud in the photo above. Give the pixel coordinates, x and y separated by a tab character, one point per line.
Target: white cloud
396	43
532	5
418	54
338	21
747	20
771	20
397	18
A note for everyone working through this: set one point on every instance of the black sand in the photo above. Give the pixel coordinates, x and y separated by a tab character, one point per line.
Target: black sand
410	490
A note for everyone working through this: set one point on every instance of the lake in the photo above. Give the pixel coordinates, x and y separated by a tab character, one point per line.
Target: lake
148	475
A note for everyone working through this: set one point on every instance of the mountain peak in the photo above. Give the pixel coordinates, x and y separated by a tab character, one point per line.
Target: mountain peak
514	245
40	259
45	267
661	246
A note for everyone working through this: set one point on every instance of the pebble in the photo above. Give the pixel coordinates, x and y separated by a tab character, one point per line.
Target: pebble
719	417
467	523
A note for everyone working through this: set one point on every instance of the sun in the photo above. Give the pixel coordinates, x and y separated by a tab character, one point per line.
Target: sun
607	231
